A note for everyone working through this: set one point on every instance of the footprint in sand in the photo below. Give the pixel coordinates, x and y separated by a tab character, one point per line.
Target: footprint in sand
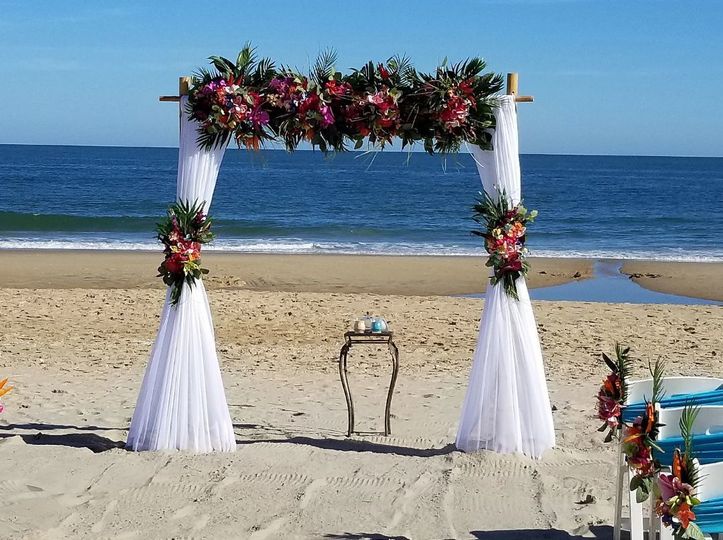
109	509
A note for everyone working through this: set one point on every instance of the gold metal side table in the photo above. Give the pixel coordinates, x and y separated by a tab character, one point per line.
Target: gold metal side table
368	338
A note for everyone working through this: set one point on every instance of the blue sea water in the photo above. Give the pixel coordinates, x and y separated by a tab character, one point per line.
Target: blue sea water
387	202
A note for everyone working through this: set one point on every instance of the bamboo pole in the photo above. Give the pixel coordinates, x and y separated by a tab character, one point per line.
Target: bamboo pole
184	84
513	84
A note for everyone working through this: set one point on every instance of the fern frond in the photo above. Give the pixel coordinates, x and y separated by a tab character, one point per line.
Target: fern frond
323	68
265	70
246	58
622	355
657	373
223	65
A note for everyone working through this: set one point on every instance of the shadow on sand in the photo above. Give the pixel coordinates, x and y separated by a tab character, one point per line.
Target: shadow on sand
600	532
353	445
91	441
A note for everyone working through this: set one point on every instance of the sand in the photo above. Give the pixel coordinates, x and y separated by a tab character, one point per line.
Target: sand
77	355
295	273
702	280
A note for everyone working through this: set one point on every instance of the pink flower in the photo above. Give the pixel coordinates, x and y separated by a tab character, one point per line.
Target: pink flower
665	482
327	116
608	410
259	117
176	236
681	487
376	98
2	407
641	459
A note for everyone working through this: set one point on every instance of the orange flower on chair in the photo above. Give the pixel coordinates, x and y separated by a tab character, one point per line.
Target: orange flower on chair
685	515
4	390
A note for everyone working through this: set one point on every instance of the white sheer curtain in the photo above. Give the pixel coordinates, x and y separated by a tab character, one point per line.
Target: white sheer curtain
182	404
507	407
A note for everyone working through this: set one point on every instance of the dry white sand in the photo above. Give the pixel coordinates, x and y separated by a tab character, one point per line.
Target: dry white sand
77	358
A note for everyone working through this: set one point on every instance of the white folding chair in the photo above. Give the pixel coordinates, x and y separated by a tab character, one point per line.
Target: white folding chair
639	391
708	420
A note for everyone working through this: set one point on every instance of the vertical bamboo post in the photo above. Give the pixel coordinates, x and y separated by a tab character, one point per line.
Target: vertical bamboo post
184	83
512	84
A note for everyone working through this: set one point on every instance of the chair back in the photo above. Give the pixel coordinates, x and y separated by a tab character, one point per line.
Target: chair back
711	481
708	421
643	389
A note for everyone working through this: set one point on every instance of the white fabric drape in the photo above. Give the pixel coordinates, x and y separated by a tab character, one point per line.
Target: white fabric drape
507	407
182	404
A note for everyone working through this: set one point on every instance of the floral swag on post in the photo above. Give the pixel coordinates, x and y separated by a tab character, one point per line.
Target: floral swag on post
182	233
504	230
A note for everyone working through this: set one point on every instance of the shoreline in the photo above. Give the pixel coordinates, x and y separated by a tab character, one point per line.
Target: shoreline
414	275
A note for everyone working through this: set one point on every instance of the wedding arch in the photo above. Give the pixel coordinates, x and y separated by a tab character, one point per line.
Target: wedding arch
181	403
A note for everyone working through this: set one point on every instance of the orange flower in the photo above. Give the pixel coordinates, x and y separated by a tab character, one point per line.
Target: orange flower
650	410
3	389
631	434
685	514
677	465
252	143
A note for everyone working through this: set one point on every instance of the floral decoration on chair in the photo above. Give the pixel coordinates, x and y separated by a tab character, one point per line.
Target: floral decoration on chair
614	389
676	498
4	390
639	438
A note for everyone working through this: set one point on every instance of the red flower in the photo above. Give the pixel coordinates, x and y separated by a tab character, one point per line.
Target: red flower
337	89
386	123
383	71
513	265
311	103
467	90
174	263
454	113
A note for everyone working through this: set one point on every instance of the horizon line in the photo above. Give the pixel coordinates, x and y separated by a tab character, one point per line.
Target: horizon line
362	151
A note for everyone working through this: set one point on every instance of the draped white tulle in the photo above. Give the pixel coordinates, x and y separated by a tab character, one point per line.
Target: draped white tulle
507	407
182	404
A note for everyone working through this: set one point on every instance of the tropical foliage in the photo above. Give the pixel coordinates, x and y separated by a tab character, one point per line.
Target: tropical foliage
253	100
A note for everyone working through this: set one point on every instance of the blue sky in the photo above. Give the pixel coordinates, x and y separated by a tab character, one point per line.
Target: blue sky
609	77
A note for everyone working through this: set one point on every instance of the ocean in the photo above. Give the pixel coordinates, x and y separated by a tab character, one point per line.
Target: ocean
387	202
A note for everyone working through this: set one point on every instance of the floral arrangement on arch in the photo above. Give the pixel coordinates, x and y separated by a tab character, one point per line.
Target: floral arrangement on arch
253	101
183	232
504	228
676	499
